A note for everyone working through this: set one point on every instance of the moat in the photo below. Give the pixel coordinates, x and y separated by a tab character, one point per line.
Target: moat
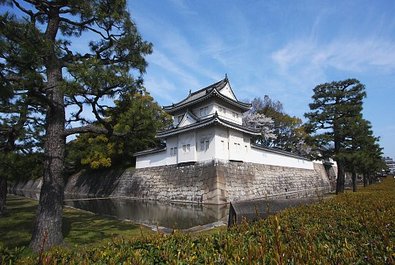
166	216
155	214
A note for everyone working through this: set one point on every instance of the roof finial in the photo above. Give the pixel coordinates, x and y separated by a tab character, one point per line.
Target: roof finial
190	92
226	76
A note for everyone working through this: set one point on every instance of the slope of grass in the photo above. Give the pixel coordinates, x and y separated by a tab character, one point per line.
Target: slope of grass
79	227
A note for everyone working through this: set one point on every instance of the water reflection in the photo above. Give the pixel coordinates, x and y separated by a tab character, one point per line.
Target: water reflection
152	213
170	215
177	215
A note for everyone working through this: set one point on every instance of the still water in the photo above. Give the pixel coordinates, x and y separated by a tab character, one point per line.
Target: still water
167	216
151	213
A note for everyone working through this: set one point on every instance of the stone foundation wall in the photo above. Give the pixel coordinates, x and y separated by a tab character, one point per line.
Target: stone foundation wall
245	181
192	183
213	182
221	182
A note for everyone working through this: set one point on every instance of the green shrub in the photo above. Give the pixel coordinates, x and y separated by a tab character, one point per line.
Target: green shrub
352	228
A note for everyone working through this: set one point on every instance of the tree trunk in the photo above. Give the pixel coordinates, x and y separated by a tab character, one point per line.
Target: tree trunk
48	227
47	231
365	180
340	178
354	181
3	194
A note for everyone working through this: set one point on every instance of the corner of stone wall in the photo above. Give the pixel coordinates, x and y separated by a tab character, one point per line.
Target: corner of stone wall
325	176
215	191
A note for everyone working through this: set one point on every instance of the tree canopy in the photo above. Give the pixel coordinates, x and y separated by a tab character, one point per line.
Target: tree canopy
43	68
337	128
282	130
139	118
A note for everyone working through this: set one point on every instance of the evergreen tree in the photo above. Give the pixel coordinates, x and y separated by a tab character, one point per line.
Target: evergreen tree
357	148
20	136
138	120
38	53
364	152
334	106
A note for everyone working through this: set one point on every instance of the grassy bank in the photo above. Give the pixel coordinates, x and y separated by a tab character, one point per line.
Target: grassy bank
79	227
352	228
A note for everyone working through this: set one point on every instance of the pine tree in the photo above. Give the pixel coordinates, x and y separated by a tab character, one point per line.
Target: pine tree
20	136
37	51
357	151
334	106
138	117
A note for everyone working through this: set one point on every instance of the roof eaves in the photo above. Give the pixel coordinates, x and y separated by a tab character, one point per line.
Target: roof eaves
238	127
150	151
278	151
198	124
206	122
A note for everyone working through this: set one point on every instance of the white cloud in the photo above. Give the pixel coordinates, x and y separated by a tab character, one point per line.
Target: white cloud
166	64
346	55
161	88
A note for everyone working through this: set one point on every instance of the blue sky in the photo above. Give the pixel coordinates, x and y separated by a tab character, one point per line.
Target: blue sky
278	48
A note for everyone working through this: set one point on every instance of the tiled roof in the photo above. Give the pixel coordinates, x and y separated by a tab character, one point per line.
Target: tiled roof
204	93
206	122
279	151
150	151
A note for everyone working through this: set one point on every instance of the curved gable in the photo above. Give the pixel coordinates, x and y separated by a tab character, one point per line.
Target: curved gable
228	92
187	119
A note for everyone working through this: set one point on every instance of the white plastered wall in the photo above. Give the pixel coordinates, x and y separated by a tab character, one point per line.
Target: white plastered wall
152	160
209	110
224	144
221	143
227	92
203	137
172	153
236	146
186	147
228	114
271	158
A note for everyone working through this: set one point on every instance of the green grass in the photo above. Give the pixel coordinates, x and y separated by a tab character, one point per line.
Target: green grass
79	227
16	225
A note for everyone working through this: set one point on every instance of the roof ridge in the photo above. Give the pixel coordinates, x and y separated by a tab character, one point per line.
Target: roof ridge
207	87
207	121
213	89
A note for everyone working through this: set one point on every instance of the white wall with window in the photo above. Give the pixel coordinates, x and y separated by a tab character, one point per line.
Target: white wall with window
204	111
186	147
236	146
172	150
217	143
228	114
205	144
221	143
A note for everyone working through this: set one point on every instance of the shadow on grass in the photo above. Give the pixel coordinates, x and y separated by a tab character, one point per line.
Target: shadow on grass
79	227
86	228
17	224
